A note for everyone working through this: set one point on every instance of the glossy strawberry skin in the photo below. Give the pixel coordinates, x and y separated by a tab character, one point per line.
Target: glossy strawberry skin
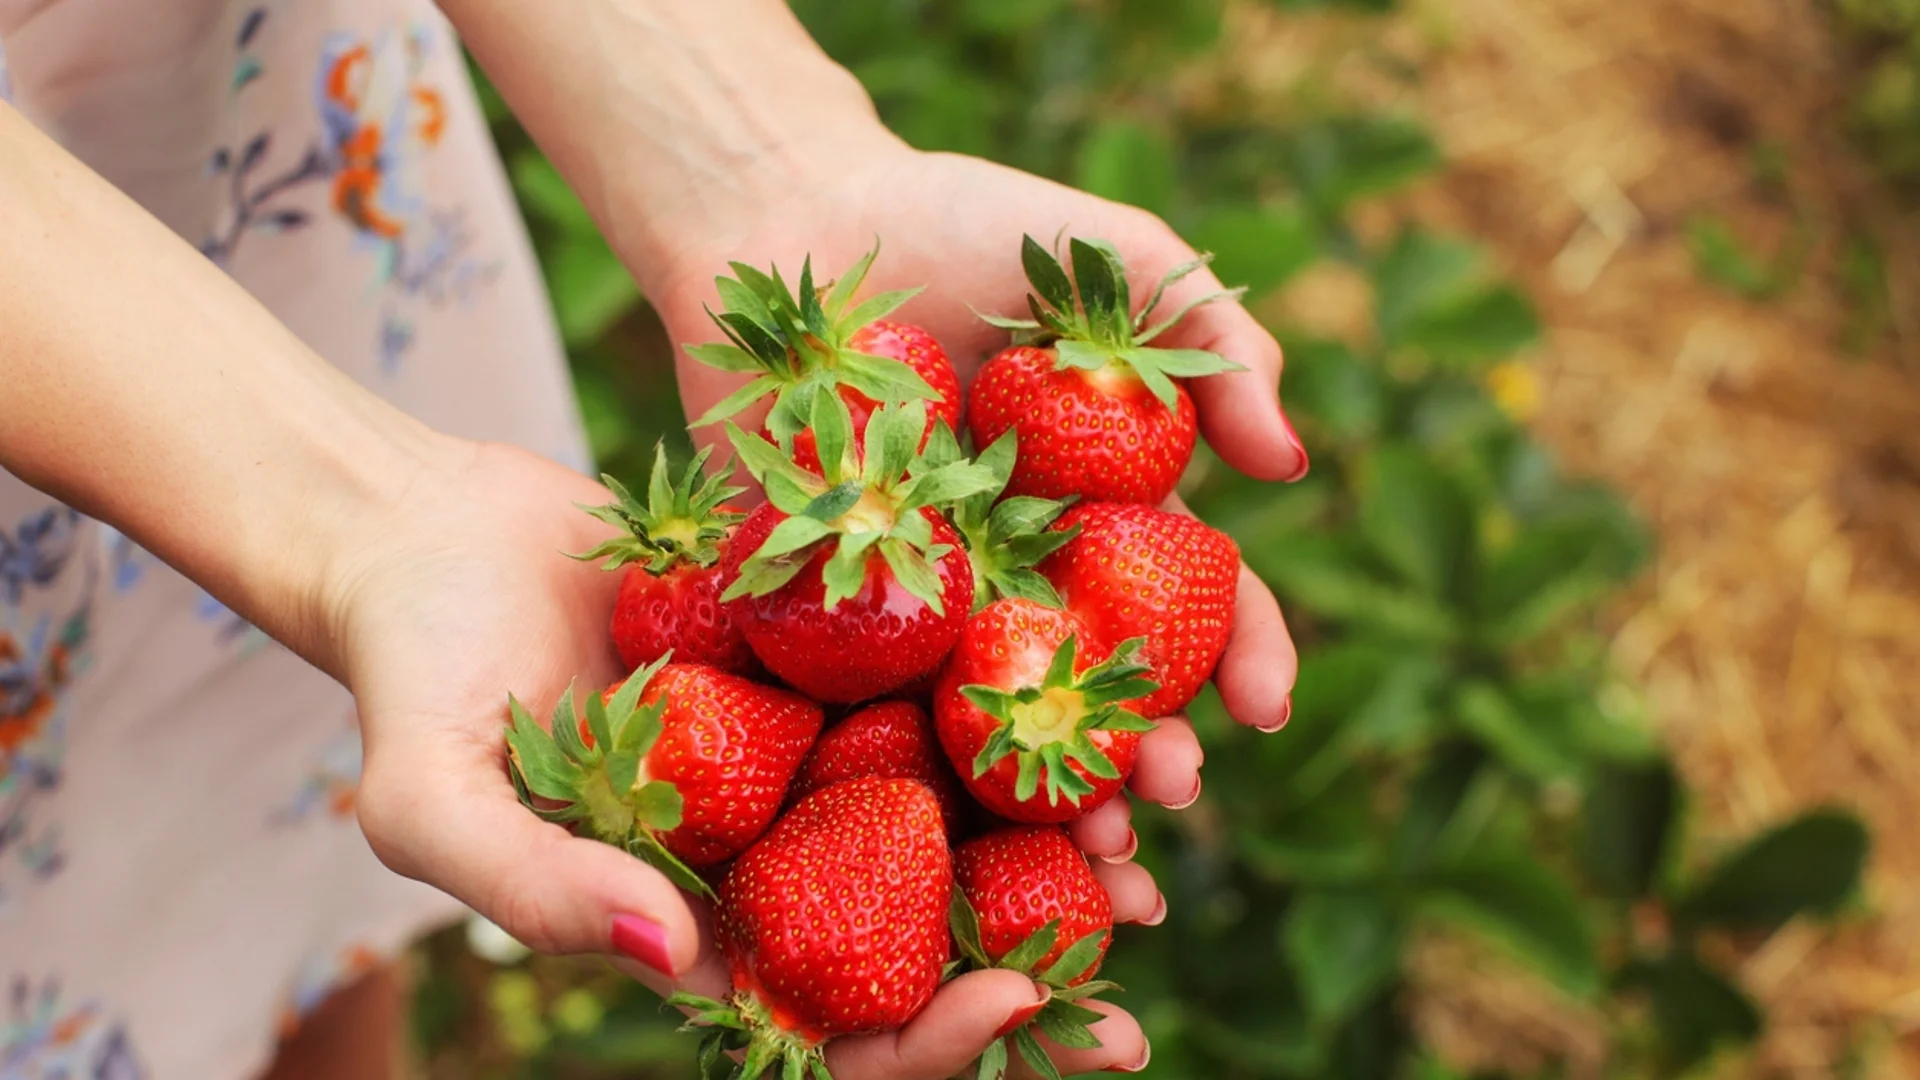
837	919
911	346
681	611
731	748
891	739
1009	644
1099	436
873	642
1018	879
1135	571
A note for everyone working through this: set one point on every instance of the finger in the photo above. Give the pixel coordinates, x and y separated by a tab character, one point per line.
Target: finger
1167	769
1257	671
964	1017
1107	832
1136	899
1240	411
1123	1047
552	891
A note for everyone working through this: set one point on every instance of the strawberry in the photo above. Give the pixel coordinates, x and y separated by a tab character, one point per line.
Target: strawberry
799	345
1025	900
835	923
851	585
669	599
1029	712
890	739
1134	571
1100	413
1005	538
682	765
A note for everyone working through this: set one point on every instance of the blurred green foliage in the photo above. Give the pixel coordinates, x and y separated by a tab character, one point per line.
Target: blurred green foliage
1457	762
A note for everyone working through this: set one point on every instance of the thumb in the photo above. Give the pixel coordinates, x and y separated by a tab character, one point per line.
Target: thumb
448	816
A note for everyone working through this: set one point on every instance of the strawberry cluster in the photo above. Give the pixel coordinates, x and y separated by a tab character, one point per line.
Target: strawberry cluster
996	612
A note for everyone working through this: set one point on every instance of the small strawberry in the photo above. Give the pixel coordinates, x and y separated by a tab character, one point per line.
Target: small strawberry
1100	413
851	585
1025	900
1006	538
892	739
1135	571
681	765
835	923
1029	712
799	345
669	600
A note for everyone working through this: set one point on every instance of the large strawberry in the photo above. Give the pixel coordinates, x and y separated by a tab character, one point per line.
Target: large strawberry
1005	538
1101	414
797	346
851	585
1030	712
1134	571
681	765
835	923
891	739
1025	900
669	600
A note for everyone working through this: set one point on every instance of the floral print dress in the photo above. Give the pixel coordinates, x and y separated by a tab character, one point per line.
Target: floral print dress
181	875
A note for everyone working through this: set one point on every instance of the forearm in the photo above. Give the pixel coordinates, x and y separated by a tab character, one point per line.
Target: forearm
142	386
668	115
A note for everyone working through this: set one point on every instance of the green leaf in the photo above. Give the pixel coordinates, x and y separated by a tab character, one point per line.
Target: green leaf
1421	274
883	379
1322	575
1258	247
1063	1029
1128	162
1433	799
1035	1057
846	571
791	535
1417	519
1491	323
849	283
1077	962
1344	946
1528	741
1101	287
877	307
591	288
1695	1009
831	503
1627	825
724	357
913	571
1023	956
965	924
1559	564
738	400
1046	275
993	1062
1809	865
1340	159
658	805
1518	902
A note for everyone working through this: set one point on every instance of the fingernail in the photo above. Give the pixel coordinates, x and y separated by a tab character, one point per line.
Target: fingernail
1286	713
1126	853
1189	800
1146	1055
1024	1015
643	940
1293	440
1159	914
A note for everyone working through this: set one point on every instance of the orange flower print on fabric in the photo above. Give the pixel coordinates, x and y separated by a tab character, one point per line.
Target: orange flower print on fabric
45	1037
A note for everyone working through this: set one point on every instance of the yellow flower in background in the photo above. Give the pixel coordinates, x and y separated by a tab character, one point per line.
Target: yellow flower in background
1515	388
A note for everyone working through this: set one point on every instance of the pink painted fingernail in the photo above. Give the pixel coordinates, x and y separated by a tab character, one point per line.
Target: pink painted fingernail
643	940
1127	853
1286	714
1024	1015
1146	1055
1189	800
1293	440
1159	913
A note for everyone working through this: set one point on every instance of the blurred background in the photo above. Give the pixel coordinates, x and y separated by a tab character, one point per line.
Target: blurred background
1603	754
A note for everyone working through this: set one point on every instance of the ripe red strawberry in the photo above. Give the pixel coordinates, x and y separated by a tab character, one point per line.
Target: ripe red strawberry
851	585
835	923
679	764
1028	902
1100	414
796	345
893	739
1029	712
1135	571
669	599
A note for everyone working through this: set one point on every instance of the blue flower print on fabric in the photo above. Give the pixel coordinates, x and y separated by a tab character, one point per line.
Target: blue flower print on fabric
43	1037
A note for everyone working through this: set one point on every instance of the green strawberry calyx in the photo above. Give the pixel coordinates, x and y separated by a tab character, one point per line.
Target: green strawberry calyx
681	521
1006	539
744	1023
600	787
797	345
1047	727
867	503
1063	1019
1088	319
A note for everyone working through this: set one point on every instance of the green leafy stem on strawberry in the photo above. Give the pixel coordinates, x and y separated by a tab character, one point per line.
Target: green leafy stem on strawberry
867	502
1088	319
1045	726
1063	1019
746	1027
1005	539
682	520
796	345
597	785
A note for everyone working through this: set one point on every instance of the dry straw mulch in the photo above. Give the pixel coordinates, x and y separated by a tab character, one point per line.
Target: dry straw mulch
1777	637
